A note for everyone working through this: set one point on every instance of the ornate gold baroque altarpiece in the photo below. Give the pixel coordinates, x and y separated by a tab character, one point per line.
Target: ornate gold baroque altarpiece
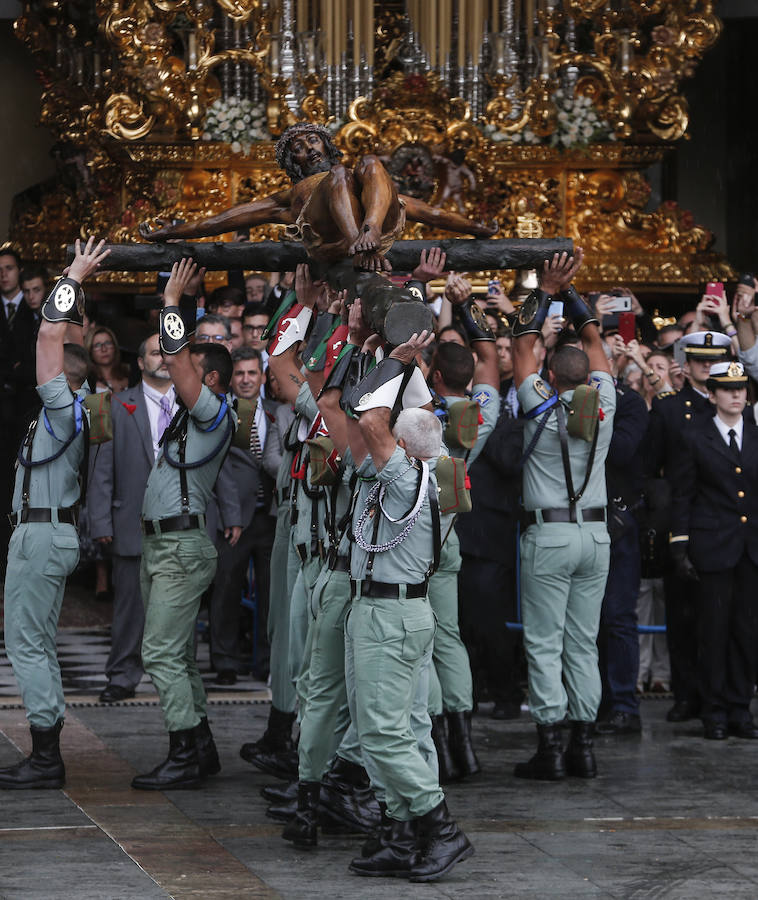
128	108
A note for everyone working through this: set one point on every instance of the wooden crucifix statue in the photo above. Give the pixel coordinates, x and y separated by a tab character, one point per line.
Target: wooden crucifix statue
333	210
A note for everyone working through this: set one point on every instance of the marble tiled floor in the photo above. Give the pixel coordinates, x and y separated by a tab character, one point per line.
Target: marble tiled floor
82	654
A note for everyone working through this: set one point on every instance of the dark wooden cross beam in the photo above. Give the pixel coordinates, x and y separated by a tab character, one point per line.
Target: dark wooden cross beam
463	255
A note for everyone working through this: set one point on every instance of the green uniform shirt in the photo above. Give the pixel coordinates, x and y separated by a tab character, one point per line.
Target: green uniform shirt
302	528
409	561
163	494
57	483
544	478
488	399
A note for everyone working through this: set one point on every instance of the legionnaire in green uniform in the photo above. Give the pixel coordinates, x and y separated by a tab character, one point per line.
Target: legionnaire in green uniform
178	557
451	688
44	548
343	795
565	550
390	628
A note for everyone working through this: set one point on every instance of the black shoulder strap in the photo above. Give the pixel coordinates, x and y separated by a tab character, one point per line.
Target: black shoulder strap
563	436
434	506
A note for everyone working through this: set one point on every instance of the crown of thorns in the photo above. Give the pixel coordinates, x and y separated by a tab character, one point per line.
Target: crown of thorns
292	132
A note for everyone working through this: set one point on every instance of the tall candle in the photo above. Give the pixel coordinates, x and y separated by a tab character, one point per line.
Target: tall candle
274	56
327	24
433	40
477	29
369	32
96	70
192	51
462	12
301	22
356	33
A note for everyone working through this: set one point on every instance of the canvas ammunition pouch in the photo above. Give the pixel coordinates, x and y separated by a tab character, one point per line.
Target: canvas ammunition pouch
454	485
100	419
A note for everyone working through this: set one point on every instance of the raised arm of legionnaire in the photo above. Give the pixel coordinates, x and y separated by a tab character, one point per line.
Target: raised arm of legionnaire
555	281
375	423
481	339
285	345
343	429
177	327
62	312
272	209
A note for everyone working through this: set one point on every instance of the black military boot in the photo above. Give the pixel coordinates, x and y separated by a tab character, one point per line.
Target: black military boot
448	769
43	768
280	793
347	798
302	828
180	769
395	856
275	752
461	748
441	843
548	763
580	759
206	749
374	841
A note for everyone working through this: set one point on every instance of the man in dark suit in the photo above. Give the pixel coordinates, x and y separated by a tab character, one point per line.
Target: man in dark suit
243	467
714	541
618	641
24	329
487	579
672	416
10	299
140	415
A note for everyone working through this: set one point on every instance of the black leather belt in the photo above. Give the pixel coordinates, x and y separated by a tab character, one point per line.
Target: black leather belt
590	514
340	564
66	516
391	591
174	523
317	549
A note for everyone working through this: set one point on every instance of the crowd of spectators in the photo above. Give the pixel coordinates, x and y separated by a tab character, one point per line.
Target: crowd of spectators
663	374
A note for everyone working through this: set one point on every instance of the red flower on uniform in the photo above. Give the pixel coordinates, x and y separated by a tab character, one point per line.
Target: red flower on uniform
129	407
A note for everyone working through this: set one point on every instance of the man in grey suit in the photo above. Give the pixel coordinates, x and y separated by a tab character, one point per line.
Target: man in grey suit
244	469
140	415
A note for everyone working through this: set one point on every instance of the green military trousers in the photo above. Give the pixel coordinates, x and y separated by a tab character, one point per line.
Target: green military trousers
390	644
350	747
324	716
283	574
300	619
40	556
450	684
564	568
176	569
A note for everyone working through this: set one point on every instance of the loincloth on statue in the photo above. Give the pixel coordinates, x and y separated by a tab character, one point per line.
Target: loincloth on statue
303	232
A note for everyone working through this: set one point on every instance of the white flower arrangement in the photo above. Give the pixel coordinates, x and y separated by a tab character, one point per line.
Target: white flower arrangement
578	124
237	122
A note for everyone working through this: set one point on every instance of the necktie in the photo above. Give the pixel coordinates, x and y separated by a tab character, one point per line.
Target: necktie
164	416
733	446
257	451
10	312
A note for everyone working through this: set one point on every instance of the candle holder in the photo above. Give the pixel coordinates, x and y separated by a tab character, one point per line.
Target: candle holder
278	113
313	105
